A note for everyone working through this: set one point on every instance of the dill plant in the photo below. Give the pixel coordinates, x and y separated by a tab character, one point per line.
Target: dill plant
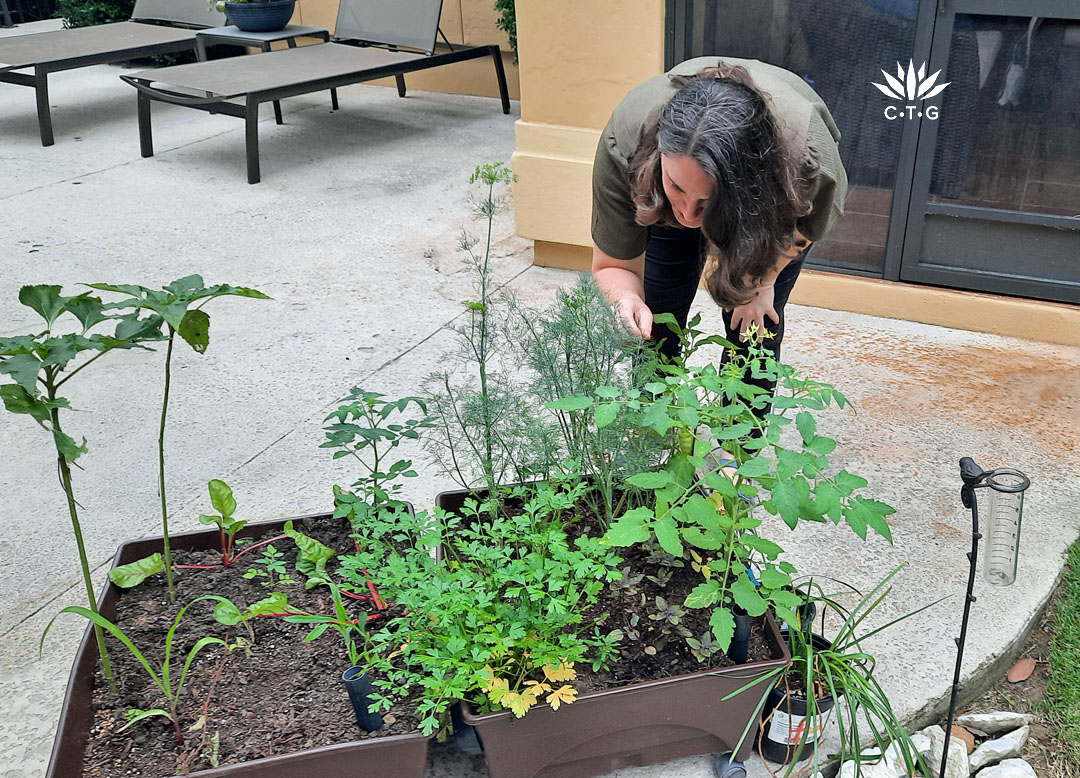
484	433
572	349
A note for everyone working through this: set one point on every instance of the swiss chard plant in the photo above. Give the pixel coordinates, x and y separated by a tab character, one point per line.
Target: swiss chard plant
179	308
221	497
77	332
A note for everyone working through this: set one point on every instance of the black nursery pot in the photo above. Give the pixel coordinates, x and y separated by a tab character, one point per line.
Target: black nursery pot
358	685
784	725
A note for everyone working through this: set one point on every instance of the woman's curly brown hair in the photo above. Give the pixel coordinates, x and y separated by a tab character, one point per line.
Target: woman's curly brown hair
720	119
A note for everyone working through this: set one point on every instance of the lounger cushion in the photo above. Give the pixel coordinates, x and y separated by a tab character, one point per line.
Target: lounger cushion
239	76
22	51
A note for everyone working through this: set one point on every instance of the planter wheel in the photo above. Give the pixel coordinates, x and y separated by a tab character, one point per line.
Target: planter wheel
465	734
726	767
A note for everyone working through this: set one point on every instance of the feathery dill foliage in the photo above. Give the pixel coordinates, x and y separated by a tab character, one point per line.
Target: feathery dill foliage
484	432
572	348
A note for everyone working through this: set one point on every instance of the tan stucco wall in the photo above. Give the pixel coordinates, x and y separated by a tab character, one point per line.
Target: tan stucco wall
471	22
578	61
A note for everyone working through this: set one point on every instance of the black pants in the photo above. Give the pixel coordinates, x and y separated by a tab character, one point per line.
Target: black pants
674	260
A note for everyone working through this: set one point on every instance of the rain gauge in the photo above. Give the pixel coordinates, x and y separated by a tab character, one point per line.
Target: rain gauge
1004	509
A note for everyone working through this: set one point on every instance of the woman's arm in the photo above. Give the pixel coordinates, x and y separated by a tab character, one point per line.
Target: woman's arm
760	305
621	281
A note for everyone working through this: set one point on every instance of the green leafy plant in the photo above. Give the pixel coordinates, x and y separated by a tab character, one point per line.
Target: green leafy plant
173	305
41	363
88	13
353	632
698	507
134	573
572	349
163	677
500	622
312	557
844	672
507	22
367	427
221	497
273	564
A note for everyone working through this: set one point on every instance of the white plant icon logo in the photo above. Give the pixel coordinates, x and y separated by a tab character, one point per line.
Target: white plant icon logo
908	88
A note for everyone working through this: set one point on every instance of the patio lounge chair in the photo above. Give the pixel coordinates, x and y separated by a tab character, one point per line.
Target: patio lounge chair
374	39
156	27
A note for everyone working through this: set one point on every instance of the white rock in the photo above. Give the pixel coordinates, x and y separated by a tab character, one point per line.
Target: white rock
993	751
883	768
1010	768
958	756
921	742
996	722
876	765
929	731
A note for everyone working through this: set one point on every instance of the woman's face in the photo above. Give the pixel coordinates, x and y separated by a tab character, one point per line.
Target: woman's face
687	187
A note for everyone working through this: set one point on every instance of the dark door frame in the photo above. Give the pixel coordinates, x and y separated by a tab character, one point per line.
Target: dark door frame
904	264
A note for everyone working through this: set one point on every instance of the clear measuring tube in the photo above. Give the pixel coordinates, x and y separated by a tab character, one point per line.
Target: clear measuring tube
1003	513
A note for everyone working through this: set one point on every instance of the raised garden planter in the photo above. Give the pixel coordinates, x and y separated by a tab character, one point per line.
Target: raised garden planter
639	724
631	726
403	756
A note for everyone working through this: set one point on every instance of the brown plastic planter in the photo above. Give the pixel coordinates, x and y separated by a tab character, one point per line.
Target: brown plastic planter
631	726
401	756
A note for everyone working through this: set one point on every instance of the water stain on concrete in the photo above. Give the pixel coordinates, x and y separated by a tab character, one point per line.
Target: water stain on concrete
1036	391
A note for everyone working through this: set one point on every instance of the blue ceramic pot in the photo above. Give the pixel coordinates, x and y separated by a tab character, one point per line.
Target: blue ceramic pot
260	17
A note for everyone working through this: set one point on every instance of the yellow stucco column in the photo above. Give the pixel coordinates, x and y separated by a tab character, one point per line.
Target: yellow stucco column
577	61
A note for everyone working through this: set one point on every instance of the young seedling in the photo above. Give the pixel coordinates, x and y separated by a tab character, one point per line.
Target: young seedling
163	677
221	497
353	632
273	564
40	364
172	306
363	429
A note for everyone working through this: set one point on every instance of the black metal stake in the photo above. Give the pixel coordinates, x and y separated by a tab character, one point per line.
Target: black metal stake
971	474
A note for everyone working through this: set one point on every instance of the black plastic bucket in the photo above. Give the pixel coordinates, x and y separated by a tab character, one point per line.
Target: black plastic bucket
784	725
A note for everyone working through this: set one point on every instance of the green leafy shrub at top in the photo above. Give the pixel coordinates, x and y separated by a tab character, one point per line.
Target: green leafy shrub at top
89	13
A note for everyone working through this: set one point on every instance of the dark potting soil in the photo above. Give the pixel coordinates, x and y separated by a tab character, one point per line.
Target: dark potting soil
278	696
659	652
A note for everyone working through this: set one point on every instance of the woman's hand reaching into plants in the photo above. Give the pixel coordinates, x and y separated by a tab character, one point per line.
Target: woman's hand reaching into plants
754	312
637	315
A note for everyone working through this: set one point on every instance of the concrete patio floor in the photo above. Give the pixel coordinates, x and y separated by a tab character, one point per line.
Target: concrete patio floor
353	233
